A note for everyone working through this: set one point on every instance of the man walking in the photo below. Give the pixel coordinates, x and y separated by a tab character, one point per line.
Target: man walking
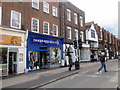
102	60
70	62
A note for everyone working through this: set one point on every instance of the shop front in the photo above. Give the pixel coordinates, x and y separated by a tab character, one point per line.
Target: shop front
43	51
12	51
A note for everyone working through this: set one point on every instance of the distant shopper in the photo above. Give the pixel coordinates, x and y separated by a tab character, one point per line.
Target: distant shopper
102	60
92	58
70	62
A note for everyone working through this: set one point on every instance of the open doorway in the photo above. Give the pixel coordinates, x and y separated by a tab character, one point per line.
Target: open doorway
12	62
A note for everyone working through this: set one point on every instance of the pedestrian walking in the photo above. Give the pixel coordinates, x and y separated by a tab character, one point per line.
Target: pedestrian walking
70	62
102	60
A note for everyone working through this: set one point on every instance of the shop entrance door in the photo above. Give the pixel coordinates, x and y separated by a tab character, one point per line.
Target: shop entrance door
12	62
44	59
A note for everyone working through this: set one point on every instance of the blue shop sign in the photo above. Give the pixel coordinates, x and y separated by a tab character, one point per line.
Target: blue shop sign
44	41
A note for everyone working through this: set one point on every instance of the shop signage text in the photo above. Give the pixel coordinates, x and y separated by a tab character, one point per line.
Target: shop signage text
10	40
44	41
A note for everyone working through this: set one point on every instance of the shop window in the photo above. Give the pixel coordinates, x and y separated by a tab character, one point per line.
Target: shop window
75	18
3	61
46	28
68	15
55	30
54	11
35	25
55	55
45	7
35	4
34	61
15	19
69	32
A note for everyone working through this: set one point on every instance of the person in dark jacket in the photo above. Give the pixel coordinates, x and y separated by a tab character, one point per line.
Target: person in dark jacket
102	60
70	62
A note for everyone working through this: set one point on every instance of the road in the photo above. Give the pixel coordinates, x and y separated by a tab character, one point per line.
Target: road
90	78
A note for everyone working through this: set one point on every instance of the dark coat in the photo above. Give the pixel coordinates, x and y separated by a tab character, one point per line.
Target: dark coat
102	58
70	61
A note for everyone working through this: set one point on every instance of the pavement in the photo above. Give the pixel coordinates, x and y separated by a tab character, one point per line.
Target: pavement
35	79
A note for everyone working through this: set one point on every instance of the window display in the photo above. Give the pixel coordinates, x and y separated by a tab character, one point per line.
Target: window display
34	61
3	61
55	55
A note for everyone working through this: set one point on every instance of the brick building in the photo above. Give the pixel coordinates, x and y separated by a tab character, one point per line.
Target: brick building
36	28
72	24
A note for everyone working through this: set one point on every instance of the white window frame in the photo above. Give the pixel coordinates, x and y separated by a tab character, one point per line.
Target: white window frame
75	18
45	7
81	21
48	28
0	15
35	2
37	25
68	15
76	34
54	11
69	32
56	30
11	24
82	36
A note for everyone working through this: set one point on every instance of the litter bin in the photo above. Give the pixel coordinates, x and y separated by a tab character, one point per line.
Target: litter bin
77	65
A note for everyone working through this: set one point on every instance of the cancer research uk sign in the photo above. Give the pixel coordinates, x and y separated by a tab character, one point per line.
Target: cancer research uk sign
44	41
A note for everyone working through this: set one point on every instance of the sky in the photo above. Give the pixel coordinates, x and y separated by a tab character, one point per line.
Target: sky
102	12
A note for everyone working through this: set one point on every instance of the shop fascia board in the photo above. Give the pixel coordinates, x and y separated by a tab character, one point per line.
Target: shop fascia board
11	29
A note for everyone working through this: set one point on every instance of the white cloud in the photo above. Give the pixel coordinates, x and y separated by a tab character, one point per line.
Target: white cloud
103	12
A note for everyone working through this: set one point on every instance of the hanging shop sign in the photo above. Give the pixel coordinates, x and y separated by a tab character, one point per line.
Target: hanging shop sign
10	40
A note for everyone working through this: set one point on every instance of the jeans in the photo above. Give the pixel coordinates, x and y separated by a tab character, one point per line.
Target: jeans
102	65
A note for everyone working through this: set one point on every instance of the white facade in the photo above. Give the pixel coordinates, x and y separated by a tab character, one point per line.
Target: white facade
92	40
85	52
17	53
88	34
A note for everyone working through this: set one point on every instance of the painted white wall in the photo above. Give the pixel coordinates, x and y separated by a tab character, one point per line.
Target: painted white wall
85	54
21	65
